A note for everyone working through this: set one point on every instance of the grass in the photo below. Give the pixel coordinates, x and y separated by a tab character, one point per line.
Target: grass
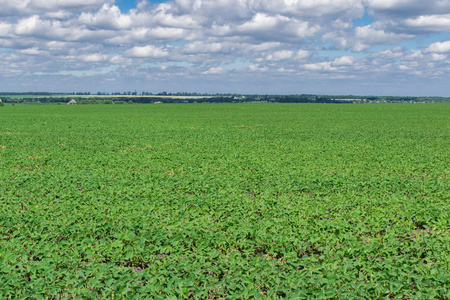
225	201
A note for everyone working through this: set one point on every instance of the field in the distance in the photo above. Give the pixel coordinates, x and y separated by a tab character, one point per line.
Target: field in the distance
225	200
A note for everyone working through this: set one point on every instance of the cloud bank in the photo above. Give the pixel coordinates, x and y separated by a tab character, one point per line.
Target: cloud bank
247	46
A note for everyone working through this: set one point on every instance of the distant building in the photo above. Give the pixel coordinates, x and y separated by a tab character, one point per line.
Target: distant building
72	102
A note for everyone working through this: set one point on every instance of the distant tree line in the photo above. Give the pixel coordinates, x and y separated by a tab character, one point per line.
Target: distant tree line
132	97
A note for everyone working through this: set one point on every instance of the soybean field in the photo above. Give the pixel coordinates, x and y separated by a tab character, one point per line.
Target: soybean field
225	201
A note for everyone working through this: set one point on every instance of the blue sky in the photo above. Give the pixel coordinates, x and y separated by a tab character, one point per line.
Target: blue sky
126	5
369	47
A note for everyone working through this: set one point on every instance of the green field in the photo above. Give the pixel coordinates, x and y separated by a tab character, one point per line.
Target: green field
236	201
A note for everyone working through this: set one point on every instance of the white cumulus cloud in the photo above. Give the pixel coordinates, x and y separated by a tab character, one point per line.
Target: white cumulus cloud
240	42
107	17
280	55
148	51
439	47
344	61
215	70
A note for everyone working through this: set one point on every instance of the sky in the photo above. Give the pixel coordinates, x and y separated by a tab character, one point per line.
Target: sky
359	47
